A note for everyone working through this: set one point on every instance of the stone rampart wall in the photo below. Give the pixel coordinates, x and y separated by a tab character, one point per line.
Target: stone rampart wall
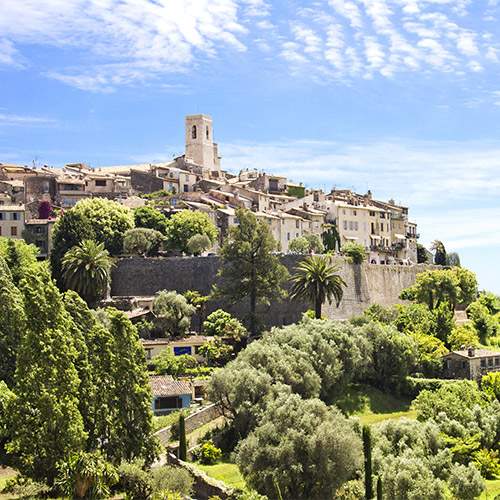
366	284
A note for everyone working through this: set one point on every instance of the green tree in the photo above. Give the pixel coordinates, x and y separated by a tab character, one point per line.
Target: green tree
315	243
222	324
301	449
86	475
331	238
317	281
354	252
150	218
439	253
12	323
216	351
109	219
70	230
483	322
198	301
6	399
453	259
463	336
46	423
490	384
182	438
422	256
87	271
185	224
299	246
444	322
249	270
131	426
173	312
167	363
197	244
367	452
19	257
142	241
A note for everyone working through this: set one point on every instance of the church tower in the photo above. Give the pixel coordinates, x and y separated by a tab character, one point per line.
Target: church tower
200	148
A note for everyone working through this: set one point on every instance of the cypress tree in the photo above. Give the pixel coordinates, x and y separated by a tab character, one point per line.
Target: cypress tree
45	420
367	450
379	488
182	439
12	323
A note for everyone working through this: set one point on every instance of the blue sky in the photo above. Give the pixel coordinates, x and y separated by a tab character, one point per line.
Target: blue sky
399	96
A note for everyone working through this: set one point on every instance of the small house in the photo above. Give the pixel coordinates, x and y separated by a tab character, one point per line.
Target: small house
470	363
169	394
187	345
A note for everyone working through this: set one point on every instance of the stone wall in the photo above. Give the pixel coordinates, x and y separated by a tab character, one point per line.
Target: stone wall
366	284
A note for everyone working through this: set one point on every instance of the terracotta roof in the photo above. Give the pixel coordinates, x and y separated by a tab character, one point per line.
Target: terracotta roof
165	386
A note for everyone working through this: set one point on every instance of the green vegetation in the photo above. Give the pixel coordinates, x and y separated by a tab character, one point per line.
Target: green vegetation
331	238
149	218
439	253
197	244
142	241
249	269
87	270
226	472
186	224
317	281
173	313
222	324
354	252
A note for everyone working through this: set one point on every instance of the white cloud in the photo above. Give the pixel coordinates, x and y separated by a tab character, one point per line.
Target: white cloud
7	119
126	40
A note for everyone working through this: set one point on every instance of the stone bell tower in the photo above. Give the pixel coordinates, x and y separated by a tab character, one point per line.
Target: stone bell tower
200	148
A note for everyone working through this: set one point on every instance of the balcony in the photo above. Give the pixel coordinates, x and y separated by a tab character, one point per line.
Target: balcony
415	236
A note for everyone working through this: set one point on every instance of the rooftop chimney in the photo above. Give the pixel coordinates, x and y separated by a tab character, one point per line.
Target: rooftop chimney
471	352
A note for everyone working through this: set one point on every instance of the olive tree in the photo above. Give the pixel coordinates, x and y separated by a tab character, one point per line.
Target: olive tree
302	449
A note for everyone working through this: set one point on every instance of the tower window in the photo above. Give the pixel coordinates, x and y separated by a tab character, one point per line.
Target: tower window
193	132
208	133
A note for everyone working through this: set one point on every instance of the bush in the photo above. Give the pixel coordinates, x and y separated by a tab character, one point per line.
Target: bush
185	224
207	453
173	312
487	462
142	241
135	481
24	487
299	246
171	479
463	336
222	324
355	252
466	483
197	244
86	475
167	363
414	386
490	384
150	218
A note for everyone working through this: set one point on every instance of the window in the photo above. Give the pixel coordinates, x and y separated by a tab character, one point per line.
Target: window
372	213
288	236
149	352
356	226
382	215
345	225
483	363
354	212
490	361
167	403
2	216
100	183
373	228
297	223
180	350
193	132
351	225
186	188
207	133
497	360
464	364
15	216
13	231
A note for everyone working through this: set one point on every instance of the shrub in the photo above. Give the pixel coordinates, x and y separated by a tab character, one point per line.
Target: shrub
355	252
24	487
463	336
222	324
167	363
185	224
135	481
86	475
150	218
142	241
173	312
482	320
197	244
487	462
207	453
490	384
299	246
171	479
414	386
466	483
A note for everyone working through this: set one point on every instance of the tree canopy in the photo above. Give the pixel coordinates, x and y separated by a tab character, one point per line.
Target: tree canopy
249	269
186	224
150	218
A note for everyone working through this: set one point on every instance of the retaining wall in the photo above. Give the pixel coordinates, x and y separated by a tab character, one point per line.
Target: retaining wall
366	284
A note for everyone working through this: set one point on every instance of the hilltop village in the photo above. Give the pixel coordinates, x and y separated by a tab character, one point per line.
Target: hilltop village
174	331
31	199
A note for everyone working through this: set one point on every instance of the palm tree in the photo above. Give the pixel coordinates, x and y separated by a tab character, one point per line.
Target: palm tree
87	270
317	281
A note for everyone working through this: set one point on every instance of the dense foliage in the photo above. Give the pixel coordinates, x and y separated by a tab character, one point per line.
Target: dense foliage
149	218
249	269
354	252
173	312
186	224
142	241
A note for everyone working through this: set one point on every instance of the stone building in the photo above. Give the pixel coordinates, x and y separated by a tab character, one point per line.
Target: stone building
470	363
12	221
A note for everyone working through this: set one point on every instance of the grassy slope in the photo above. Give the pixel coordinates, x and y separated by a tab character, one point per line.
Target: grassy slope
492	490
225	472
372	405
